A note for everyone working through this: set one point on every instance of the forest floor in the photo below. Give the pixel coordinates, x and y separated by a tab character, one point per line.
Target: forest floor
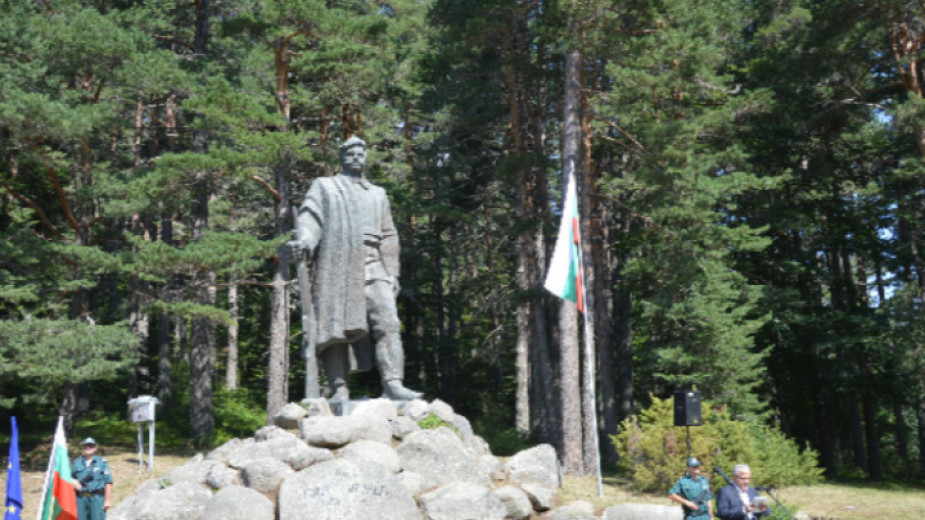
830	500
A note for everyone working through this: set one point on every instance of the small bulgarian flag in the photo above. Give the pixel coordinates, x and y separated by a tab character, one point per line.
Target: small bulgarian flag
59	500
564	278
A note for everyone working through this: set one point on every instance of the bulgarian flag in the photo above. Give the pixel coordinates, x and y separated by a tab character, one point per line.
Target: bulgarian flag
564	278
59	500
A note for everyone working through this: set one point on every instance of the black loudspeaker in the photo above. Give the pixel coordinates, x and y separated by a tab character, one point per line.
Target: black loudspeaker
687	408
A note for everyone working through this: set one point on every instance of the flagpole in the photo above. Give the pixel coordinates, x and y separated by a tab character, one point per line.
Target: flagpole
589	378
51	463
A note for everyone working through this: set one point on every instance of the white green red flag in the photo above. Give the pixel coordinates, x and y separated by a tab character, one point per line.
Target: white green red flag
59	500
565	278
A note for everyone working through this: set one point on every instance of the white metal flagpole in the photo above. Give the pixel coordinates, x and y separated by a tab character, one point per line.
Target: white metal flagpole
51	465
589	378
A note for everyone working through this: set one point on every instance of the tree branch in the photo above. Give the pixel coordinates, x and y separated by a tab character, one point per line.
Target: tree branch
63	200
269	188
38	211
620	129
173	40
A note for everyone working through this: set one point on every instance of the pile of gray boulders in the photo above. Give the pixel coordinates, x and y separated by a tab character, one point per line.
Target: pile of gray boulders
376	463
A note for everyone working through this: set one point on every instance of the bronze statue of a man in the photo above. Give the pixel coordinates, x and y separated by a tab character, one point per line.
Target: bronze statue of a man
345	224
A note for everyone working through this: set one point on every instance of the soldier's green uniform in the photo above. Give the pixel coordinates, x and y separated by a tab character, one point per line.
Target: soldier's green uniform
695	489
93	477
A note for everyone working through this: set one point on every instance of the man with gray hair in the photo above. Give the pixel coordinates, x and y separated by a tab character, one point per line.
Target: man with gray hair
345	225
739	500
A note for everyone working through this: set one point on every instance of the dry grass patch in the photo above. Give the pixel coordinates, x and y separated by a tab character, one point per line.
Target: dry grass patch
126	474
830	500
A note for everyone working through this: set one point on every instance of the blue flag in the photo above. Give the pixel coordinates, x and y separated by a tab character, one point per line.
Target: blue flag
13	510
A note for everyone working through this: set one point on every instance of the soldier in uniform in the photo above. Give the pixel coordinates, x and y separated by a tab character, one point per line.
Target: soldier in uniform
93	482
692	491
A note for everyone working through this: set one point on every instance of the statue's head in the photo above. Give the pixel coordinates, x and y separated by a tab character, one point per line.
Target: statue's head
353	156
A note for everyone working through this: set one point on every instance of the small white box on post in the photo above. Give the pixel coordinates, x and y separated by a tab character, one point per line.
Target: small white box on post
141	409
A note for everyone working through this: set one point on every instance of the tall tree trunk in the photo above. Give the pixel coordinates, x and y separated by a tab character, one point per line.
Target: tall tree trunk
522	412
870	423
591	257
902	433
164	386
569	344
277	393
139	322
231	360
920	423
570	389
202	336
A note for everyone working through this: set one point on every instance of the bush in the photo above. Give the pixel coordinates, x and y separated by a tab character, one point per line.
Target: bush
652	450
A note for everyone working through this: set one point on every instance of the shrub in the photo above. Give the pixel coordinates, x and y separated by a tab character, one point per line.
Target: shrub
652	450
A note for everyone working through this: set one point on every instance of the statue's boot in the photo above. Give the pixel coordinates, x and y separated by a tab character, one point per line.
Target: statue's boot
396	391
336	362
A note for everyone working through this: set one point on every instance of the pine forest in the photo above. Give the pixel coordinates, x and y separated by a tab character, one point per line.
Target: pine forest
750	178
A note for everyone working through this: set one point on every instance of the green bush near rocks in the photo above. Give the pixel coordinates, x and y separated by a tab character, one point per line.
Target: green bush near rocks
652	450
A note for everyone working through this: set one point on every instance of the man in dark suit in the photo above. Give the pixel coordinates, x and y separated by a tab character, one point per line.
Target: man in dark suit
737	501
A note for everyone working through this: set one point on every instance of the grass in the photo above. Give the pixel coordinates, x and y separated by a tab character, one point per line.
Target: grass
831	501
127	474
843	501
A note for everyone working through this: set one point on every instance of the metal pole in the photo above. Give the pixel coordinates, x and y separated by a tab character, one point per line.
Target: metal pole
589	373
150	445
141	446
688	441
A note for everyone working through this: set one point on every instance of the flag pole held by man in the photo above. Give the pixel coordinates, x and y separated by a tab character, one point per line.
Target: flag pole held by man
59	499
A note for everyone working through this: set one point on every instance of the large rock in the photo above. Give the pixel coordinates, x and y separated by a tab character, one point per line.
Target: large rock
413	482
289	416
222	476
383	407
537	465
463	428
493	467
516	502
265	475
571	512
194	471
442	410
273	432
642	512
183	501
317	406
226	451
542	498
290	450
440	457
402	426
462	501
334	432
372	452
416	409
345	490
238	503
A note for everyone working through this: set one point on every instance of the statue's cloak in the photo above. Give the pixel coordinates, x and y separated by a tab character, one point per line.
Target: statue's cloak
329	216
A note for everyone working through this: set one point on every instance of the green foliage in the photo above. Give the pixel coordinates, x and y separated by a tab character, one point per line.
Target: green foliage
43	354
507	442
653	450
433	421
237	414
